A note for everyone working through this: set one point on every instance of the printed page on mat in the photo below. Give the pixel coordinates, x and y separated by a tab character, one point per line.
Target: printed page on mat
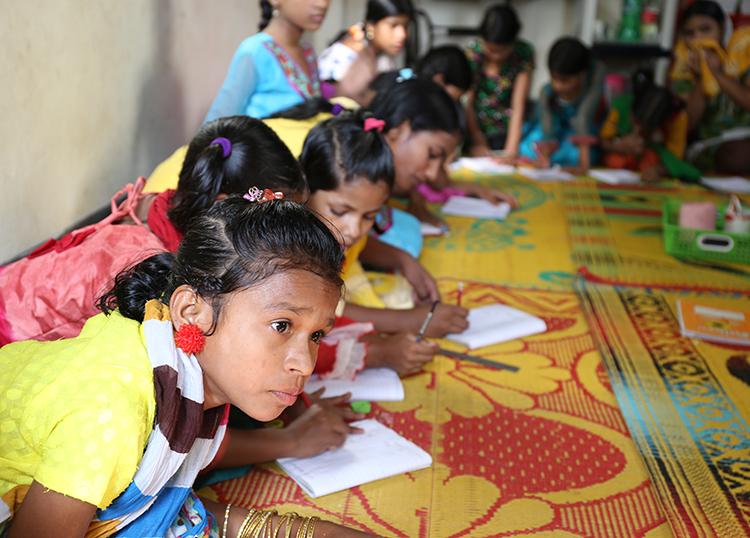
685	402
372	385
540	452
530	248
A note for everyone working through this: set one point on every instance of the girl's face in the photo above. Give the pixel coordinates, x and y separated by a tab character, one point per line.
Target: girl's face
351	208
266	341
496	53
567	87
418	156
701	27
390	34
305	14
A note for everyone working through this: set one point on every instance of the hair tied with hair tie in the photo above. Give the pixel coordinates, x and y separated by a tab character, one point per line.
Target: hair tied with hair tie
374	123
225	144
337	109
254	194
405	74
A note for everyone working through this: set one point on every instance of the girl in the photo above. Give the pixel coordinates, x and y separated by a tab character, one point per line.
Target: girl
350	171
235	316
647	131
274	69
448	67
384	33
572	108
50	294
712	74
502	67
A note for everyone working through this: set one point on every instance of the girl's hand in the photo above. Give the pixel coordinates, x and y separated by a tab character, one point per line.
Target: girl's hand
316	431
507	158
400	352
576	170
425	287
480	150
714	62
492	195
446	319
335	404
632	143
694	63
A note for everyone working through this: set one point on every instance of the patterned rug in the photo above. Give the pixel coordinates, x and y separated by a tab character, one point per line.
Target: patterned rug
543	452
616	237
686	403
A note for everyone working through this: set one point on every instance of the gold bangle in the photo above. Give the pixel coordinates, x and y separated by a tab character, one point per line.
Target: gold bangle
311	527
288	519
226	520
251	516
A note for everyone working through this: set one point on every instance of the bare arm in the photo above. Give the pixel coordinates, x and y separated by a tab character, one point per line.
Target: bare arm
518	105
479	145
45	513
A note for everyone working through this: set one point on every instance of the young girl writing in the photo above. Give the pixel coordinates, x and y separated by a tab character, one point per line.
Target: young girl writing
711	73
502	67
275	68
572	108
384	33
234	317
646	130
350	171
50	294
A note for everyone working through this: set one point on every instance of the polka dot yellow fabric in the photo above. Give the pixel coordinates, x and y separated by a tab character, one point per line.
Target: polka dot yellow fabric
75	414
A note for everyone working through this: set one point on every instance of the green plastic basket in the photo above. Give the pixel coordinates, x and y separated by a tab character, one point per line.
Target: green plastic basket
703	244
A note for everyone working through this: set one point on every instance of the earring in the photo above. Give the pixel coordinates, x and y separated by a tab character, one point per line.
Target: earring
190	339
370	35
275	12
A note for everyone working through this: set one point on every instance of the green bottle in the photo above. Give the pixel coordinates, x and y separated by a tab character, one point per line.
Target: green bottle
630	26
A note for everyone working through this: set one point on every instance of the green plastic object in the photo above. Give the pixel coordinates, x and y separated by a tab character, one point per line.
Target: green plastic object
361	407
630	24
714	245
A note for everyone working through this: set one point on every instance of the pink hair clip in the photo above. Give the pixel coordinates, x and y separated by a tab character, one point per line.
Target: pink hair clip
254	194
374	123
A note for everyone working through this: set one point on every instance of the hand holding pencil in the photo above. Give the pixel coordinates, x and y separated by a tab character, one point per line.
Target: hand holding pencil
445	319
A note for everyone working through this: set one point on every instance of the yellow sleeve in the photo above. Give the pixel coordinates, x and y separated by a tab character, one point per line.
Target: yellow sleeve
609	128
675	134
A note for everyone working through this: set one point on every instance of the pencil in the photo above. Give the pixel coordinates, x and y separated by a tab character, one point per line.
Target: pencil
427	321
460	293
305	399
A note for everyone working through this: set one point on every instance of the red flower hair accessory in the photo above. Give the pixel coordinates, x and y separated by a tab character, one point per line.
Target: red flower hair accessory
190	339
256	195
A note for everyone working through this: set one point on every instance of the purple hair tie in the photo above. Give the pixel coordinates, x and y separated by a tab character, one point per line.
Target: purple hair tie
225	144
337	109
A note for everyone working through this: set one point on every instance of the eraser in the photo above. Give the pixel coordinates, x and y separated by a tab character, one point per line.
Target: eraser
361	407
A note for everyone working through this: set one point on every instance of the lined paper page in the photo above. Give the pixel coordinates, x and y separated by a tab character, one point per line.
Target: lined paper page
377	453
373	385
496	323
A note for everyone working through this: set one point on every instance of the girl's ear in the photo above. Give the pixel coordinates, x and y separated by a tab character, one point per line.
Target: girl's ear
398	133
186	306
439	78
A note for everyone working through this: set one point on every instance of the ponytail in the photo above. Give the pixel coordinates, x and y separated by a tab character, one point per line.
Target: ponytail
305	110
137	285
266	14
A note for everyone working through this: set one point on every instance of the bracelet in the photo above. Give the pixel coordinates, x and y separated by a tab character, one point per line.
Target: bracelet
226	520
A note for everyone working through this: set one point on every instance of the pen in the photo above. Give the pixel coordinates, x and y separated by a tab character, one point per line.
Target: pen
478	360
460	293
426	321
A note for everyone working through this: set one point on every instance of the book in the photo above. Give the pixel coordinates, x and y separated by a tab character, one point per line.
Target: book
429	230
373	385
496	323
377	453
484	165
735	184
714	324
615	176
545	174
463	206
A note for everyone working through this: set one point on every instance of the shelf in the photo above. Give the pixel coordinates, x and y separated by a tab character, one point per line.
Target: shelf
621	49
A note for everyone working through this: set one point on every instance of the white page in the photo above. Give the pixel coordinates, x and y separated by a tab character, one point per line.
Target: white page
496	323
377	453
372	385
428	229
465	206
736	184
615	176
549	174
486	165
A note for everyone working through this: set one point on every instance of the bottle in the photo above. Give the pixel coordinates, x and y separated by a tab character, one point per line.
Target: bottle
630	25
650	22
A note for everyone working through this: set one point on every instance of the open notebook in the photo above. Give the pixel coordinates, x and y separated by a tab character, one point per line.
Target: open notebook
374	385
377	453
545	174
615	176
496	323
463	206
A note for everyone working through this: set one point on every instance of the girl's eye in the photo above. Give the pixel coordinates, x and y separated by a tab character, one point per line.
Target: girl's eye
338	213
280	326
317	337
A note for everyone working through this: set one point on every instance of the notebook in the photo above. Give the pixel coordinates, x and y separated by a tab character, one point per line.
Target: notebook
373	385
735	184
545	174
496	323
485	165
615	176
713	324
463	206
428	229
377	453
